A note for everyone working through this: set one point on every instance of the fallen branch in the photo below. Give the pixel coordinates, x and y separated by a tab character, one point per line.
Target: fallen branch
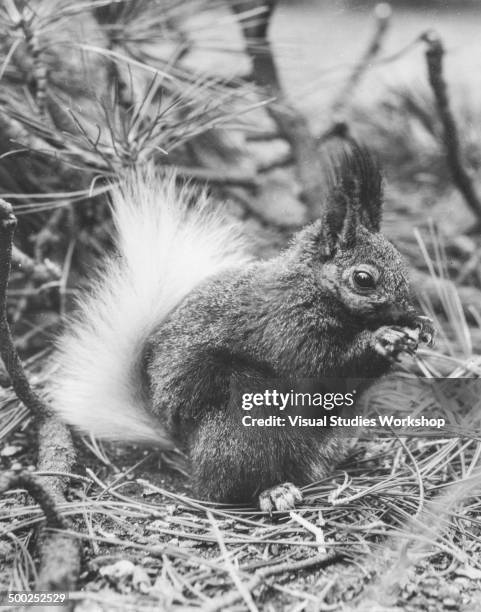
461	178
59	554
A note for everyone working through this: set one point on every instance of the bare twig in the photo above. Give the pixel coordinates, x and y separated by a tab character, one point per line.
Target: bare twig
461	178
33	486
59	553
8	353
382	14
292	124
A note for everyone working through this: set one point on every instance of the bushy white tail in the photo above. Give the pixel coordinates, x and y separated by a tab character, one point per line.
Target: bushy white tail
164	250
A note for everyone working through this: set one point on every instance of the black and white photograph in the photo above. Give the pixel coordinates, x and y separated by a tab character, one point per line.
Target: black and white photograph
240	305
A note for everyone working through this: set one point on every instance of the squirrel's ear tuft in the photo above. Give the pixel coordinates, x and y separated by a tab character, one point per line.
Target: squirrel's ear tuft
353	195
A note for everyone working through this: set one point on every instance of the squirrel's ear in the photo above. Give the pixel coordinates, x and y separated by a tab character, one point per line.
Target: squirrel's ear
354	196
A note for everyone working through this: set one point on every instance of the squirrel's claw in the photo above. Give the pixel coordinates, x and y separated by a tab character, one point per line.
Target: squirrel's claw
426	330
282	497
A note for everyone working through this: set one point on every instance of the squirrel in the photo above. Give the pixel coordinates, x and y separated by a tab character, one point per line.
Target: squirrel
179	310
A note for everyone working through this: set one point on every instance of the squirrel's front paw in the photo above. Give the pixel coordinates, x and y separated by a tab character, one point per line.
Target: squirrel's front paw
389	342
426	330
282	497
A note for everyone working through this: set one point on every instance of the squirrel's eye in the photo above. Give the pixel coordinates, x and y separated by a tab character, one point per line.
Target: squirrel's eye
364	280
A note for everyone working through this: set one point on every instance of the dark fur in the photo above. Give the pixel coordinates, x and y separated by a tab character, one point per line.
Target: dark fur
295	316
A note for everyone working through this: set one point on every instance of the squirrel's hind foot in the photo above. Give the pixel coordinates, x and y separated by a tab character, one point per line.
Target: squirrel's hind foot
282	497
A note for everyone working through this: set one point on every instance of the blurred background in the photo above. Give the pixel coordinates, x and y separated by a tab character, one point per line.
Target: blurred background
316	42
